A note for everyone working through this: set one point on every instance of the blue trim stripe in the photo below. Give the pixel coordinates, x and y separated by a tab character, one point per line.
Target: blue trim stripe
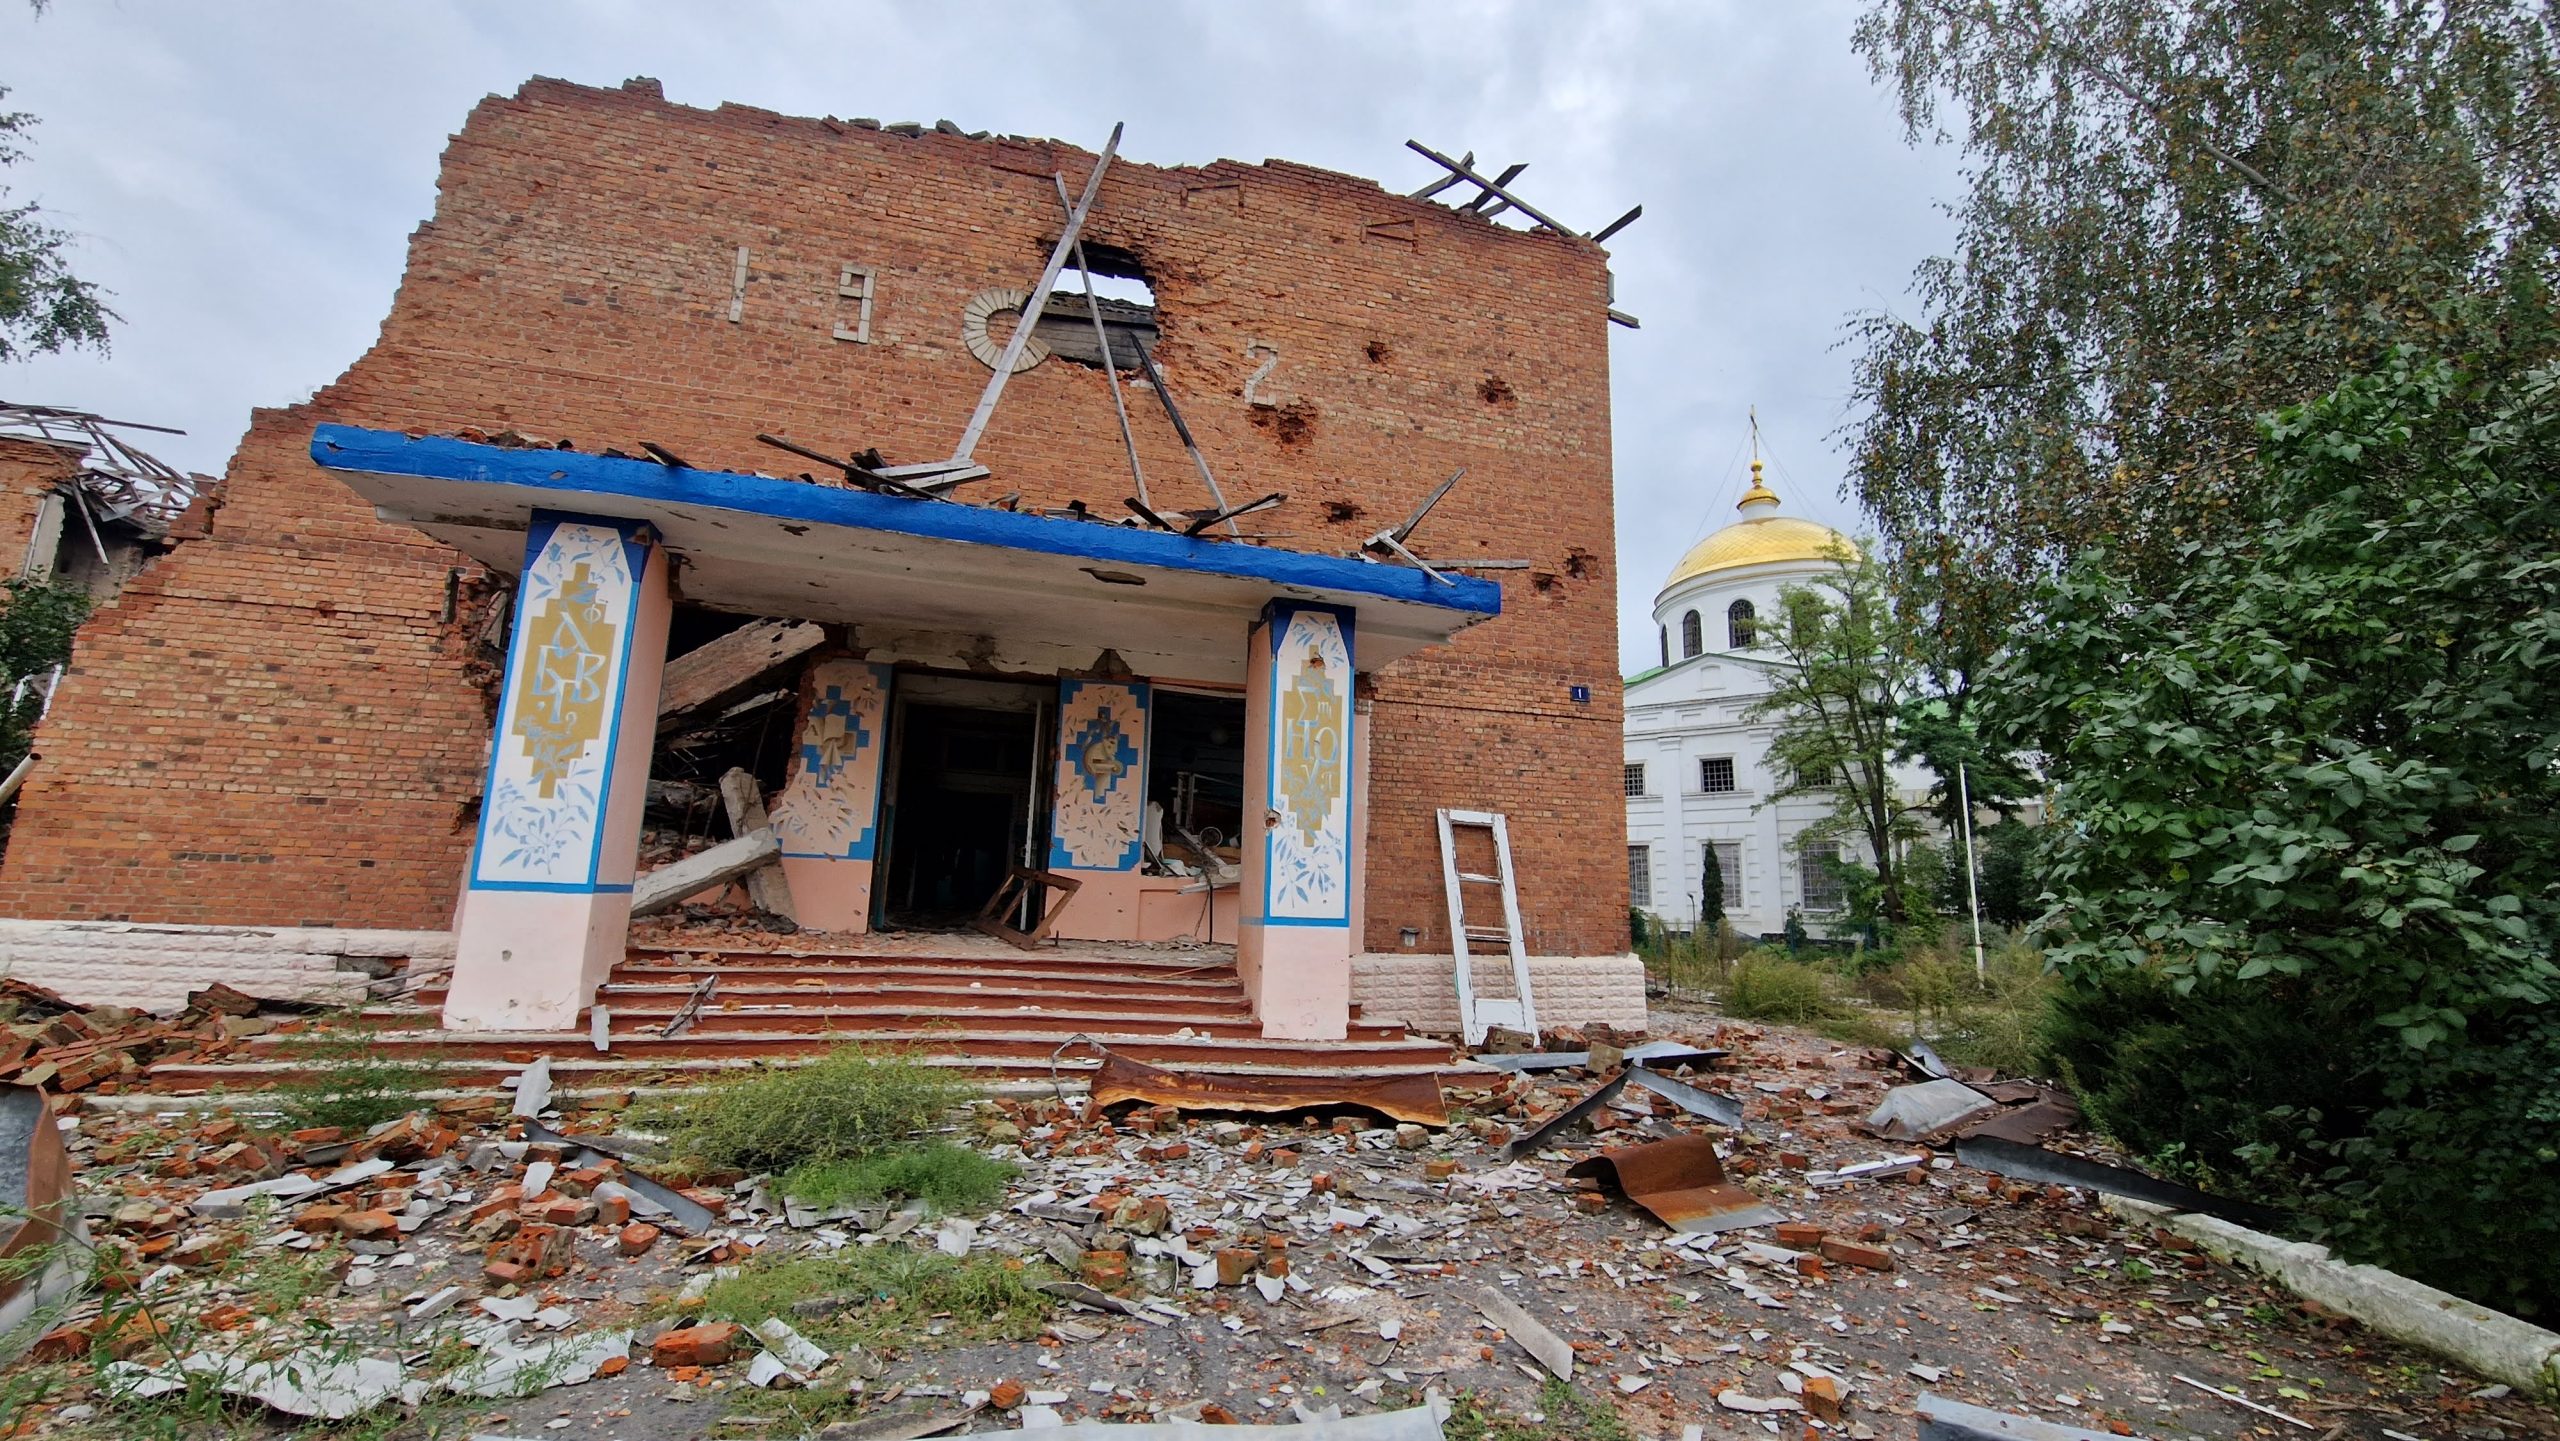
578	482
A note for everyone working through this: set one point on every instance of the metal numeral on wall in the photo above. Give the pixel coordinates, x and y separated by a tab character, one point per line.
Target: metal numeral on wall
855	283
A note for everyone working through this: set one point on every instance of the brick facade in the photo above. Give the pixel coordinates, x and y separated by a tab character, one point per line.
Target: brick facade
30	470
274	725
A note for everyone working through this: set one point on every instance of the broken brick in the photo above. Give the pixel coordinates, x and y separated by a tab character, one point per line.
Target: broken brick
710	1344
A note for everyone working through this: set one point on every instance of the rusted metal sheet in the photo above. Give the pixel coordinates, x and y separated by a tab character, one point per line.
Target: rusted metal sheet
2049	1114
1682	1182
1414	1097
44	1257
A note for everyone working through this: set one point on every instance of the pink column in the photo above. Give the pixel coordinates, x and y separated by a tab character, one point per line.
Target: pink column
547	906
1098	805
1294	943
828	815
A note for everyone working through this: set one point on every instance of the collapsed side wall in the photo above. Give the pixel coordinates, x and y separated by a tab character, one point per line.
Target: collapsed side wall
274	726
29	471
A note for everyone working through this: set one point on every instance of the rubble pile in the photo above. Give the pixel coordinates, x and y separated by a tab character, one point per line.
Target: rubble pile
1275	1270
51	1043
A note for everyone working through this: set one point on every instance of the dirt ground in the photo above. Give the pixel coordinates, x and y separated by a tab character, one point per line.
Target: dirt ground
2022	1298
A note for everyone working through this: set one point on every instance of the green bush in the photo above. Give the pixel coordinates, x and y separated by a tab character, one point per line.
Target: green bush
2305	835
851	1102
946	1177
1767	987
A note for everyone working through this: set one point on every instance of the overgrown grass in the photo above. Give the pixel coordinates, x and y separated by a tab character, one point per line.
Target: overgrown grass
893	1295
854	1101
1569	1416
946	1177
1765	986
340	1078
1996	1020
1886	999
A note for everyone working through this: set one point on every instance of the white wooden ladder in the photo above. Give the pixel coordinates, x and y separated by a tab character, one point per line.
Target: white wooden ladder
1475	1016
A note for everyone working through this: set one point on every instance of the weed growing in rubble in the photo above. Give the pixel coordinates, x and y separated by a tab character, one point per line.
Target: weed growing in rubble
854	1101
893	1295
1566	1415
946	1177
341	1079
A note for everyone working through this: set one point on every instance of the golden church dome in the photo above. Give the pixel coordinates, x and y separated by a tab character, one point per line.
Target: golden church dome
1761	537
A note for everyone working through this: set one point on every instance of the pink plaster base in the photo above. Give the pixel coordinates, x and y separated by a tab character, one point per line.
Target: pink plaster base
1104	907
1166	914
528	960
1300	979
829	894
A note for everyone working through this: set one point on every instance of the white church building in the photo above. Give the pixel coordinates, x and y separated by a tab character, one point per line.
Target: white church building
1698	779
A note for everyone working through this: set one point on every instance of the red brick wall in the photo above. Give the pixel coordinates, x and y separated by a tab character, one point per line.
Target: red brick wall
29	470
272	725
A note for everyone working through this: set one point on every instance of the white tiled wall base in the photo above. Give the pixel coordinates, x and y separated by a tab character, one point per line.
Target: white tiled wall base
1422	990
152	967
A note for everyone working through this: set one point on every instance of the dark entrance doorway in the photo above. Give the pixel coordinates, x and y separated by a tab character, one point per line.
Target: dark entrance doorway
966	773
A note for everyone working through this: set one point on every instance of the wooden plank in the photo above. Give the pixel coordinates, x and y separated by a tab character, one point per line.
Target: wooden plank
667	886
1039	300
731	666
744	800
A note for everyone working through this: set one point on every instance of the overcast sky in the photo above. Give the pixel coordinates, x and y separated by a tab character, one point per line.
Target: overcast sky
244	176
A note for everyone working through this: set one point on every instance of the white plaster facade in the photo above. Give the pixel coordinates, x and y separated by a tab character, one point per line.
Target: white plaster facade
1702	768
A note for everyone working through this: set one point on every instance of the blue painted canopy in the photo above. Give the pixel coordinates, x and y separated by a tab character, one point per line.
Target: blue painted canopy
790	548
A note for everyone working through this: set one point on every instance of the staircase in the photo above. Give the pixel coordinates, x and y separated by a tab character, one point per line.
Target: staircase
1004	1016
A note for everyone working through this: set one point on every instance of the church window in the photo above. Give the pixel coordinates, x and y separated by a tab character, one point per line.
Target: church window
1692	635
1818	874
1639	875
1726	857
1635	778
1666	645
1741	625
1715	775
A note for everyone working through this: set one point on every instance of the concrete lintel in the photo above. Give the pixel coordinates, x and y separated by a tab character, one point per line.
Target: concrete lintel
2490	1343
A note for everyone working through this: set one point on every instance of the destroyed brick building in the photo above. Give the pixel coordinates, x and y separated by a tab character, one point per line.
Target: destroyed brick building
544	485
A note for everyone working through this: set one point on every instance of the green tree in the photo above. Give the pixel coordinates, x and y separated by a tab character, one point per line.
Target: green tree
1841	672
2305	828
36	626
1710	895
43	306
2178	217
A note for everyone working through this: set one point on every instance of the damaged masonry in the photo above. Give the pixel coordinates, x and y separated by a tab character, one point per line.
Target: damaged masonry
716	636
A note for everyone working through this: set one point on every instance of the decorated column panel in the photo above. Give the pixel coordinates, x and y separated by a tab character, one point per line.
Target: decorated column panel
828	815
1294	947
548	901
1098	805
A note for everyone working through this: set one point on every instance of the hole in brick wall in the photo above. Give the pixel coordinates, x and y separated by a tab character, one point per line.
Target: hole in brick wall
1581	564
1122	291
1496	391
1338	511
1380	352
1546	582
1293	424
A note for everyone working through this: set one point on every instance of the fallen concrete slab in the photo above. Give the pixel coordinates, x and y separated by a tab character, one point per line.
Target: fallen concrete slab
667	886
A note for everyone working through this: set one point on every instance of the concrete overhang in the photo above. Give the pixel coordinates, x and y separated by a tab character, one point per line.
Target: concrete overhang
1170	604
